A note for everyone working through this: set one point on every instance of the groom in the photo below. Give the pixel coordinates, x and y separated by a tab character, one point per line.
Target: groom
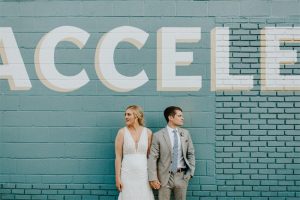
171	162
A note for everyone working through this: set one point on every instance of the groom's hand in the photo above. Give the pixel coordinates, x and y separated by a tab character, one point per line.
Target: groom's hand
155	184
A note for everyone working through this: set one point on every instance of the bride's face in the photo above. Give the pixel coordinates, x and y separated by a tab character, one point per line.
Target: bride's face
129	117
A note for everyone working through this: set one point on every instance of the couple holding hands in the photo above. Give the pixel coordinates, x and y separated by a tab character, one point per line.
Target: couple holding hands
164	161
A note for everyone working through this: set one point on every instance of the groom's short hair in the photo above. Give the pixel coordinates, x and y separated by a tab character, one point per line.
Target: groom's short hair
171	111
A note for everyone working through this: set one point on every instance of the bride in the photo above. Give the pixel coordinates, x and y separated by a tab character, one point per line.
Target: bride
132	146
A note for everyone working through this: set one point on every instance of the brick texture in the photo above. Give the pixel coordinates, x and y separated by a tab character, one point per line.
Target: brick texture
257	130
57	145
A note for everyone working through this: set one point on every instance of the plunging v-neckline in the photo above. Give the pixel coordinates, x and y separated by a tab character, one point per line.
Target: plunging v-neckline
136	144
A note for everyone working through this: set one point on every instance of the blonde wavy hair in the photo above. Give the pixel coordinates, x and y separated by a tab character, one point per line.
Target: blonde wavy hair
138	113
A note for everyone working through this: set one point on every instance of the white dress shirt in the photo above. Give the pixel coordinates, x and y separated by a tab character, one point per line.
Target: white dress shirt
180	160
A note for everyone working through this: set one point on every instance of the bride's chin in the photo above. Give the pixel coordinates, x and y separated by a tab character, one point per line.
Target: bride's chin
128	123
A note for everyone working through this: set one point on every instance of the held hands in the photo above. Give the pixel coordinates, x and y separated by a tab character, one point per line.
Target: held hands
155	184
119	185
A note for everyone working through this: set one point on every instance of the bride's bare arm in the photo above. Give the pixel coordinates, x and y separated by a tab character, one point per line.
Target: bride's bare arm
118	160
149	141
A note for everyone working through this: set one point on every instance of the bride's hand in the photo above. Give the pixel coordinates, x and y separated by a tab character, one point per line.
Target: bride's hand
119	185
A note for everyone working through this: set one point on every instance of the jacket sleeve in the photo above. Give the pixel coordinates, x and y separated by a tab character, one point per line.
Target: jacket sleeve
152	160
190	155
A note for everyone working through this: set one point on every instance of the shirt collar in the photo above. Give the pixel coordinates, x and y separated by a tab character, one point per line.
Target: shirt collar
170	130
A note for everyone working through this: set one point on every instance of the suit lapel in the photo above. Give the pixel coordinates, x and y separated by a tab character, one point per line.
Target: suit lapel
182	140
167	139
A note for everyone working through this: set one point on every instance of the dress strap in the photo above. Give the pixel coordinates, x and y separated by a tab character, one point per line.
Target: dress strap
144	136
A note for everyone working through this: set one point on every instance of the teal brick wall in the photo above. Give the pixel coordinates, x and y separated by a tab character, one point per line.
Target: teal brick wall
256	131
60	145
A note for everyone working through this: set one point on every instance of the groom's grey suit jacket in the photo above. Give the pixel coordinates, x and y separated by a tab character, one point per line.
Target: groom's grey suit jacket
159	161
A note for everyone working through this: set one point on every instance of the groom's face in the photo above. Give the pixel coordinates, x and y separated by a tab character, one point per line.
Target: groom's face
178	119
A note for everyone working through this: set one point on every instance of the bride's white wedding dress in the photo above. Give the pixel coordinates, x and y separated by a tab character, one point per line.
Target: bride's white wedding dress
134	174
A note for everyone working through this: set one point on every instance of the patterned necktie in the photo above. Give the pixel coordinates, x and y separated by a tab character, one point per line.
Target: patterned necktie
175	153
